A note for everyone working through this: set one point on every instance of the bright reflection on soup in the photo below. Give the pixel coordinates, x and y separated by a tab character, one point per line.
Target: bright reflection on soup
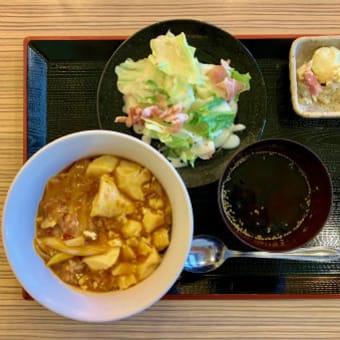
103	224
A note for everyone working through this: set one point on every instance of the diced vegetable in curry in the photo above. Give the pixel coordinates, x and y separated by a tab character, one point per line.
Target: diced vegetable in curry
103	224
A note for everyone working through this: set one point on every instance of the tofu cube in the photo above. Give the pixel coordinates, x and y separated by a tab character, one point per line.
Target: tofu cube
156	203
145	268
126	281
152	219
144	248
131	177
127	253
132	228
160	238
124	268
109	202
102	165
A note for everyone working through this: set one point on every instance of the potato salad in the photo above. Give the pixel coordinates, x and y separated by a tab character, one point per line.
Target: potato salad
319	78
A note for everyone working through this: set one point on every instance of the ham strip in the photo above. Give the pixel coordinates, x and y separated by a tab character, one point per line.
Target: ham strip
220	75
173	115
313	84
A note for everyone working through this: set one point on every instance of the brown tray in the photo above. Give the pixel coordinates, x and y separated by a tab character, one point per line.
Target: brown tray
61	76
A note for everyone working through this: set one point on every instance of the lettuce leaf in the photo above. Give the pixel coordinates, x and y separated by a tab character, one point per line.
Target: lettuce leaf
211	118
175	57
243	78
134	82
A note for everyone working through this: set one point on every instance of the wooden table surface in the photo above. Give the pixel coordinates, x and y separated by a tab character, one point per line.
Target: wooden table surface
168	319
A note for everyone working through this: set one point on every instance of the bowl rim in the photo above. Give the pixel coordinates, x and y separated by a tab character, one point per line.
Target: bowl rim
170	274
265	142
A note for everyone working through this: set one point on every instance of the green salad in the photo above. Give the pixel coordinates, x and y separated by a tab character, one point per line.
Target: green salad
188	106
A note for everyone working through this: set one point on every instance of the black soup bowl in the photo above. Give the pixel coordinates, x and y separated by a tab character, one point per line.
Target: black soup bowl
275	195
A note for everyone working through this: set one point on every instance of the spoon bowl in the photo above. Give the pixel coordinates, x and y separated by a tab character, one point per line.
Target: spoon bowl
209	253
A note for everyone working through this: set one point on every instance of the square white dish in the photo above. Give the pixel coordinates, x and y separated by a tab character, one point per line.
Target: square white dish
301	51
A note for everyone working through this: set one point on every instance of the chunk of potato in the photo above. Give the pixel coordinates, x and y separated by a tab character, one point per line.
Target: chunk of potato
103	261
326	64
109	201
145	268
126	281
102	165
152	219
131	177
160	238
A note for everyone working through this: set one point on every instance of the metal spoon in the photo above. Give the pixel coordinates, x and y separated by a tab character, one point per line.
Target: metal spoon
208	253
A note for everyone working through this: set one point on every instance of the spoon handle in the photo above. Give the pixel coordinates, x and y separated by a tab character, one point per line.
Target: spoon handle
316	254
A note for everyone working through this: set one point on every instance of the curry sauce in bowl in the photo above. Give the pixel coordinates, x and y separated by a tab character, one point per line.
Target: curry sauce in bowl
103	223
97	226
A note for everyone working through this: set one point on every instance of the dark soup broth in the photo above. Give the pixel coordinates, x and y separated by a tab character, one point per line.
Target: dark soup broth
266	196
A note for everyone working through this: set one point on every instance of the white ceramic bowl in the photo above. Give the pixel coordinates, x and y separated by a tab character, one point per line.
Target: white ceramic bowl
301	51
18	228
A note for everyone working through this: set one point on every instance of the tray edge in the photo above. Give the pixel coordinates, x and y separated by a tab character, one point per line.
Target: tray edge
169	296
